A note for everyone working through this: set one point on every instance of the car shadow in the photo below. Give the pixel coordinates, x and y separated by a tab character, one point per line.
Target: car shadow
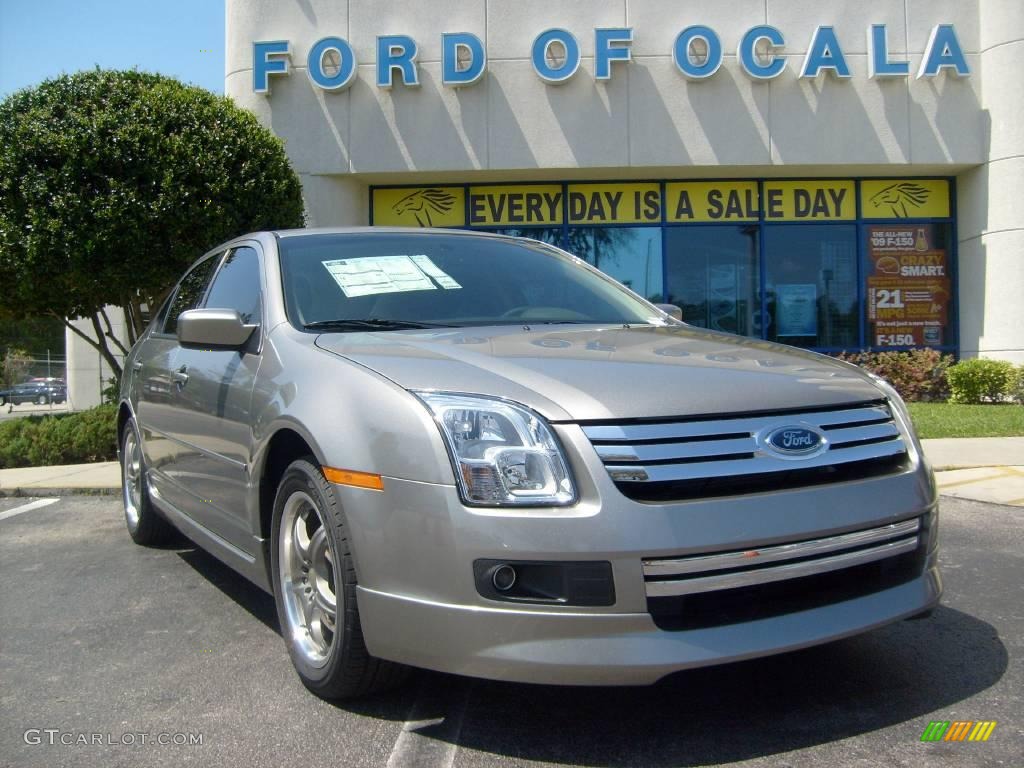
894	675
740	711
235	586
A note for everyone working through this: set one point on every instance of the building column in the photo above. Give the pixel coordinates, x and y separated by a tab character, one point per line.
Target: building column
335	201
87	372
990	223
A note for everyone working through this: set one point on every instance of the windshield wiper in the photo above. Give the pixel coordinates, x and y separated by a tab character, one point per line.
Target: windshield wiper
371	323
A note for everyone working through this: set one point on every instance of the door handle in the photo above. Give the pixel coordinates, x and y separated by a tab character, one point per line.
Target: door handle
180	376
137	365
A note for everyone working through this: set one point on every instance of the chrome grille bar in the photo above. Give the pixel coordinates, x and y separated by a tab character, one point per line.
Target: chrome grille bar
764	555
760	464
732	446
780	572
736	425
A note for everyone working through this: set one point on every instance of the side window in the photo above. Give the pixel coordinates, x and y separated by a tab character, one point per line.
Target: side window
190	292
237	285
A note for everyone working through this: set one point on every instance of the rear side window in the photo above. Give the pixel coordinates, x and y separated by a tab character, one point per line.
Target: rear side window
190	292
237	285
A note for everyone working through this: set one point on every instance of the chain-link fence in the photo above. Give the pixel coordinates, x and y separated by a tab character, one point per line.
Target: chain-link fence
16	368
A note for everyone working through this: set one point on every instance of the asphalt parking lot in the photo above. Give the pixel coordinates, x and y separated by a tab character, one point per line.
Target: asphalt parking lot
103	641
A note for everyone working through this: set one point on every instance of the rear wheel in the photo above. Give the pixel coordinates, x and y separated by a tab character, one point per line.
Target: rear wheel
42	400
145	524
315	589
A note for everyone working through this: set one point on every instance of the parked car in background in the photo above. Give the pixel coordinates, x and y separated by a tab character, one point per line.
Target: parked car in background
477	454
40	392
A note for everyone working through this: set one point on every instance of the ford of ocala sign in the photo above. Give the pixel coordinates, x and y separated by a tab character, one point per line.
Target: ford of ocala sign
331	62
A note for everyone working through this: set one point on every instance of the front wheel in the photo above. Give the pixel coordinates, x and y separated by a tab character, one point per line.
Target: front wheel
145	524
42	400
315	590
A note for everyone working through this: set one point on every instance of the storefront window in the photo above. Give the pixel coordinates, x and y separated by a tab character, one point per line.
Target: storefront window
831	264
632	255
909	288
713	276
811	276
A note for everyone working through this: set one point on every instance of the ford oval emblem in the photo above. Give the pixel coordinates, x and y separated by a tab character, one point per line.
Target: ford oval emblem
795	440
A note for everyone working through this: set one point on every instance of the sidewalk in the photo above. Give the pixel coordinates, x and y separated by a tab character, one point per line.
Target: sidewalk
982	468
100	478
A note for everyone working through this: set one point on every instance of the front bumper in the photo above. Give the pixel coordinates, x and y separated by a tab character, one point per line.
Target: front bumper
415	545
608	649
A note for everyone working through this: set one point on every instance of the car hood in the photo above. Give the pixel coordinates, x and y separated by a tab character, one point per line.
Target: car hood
570	373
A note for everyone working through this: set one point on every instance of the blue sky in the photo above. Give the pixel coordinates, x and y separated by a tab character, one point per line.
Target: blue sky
40	39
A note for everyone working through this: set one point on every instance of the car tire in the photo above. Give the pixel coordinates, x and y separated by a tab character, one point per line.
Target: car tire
145	524
42	400
314	581
3	400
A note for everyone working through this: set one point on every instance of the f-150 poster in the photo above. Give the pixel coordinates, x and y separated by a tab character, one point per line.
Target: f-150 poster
908	286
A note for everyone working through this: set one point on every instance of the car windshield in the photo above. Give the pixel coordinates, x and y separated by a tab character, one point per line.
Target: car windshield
395	281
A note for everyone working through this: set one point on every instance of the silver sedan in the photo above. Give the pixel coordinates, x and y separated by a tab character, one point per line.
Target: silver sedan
478	454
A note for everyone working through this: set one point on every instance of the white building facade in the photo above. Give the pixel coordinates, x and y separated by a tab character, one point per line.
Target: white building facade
835	175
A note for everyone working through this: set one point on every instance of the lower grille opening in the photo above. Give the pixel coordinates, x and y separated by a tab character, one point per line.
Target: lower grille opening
682	490
734	606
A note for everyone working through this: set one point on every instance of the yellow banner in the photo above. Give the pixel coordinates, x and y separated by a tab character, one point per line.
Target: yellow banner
712	201
420	207
614	203
904	198
515	205
810	201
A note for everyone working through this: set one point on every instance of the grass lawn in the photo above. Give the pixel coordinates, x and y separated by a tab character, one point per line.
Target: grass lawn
955	420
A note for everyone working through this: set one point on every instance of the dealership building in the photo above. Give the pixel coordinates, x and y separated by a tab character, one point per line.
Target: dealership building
834	175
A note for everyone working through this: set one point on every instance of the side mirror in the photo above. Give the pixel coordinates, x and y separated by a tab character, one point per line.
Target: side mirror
213	328
669	309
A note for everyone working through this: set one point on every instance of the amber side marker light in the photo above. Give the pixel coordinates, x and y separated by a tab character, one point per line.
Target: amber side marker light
355	479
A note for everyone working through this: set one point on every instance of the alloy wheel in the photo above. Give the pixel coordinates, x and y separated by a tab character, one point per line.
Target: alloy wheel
132	476
307	579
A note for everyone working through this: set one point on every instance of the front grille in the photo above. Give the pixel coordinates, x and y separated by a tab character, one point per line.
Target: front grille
729	587
676	459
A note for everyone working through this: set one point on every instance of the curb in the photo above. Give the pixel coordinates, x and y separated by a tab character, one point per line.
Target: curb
34	491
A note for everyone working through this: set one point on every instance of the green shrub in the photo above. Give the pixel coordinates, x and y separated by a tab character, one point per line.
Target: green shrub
981	380
73	438
1017	388
919	375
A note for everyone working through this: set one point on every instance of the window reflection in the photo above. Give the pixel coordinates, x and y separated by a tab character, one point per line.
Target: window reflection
549	235
812	284
631	255
713	276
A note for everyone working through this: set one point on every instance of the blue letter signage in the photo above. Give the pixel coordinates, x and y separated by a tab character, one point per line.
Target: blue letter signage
269	57
556	56
453	71
346	63
550	70
943	52
396	52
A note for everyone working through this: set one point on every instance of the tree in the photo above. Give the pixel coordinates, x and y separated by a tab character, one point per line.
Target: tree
112	183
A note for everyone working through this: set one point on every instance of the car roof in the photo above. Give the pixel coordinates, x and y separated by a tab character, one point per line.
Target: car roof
284	233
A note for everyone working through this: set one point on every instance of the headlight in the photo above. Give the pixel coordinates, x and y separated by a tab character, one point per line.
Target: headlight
502	454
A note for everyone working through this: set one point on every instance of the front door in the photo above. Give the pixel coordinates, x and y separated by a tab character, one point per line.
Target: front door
156	373
214	396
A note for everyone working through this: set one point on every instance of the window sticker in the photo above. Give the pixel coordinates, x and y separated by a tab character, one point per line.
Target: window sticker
430	268
372	275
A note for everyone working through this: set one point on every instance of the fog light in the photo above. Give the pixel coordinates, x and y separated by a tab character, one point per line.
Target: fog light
559	582
503	578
